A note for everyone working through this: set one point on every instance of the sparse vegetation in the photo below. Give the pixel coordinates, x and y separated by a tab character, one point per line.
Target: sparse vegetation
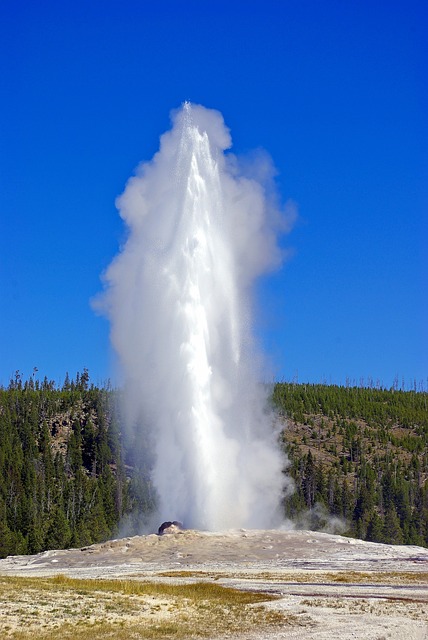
310	577
62	607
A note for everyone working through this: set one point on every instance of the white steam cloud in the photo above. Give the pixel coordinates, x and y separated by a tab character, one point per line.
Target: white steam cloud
178	297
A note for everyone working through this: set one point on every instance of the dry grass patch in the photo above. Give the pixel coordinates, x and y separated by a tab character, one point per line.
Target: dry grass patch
308	577
67	608
378	577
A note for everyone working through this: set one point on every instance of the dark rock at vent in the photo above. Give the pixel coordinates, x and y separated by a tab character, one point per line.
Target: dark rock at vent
170	527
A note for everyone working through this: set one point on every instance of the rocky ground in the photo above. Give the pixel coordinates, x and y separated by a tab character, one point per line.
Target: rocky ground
332	586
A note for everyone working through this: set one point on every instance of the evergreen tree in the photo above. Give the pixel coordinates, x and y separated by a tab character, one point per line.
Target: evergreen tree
375	528
392	532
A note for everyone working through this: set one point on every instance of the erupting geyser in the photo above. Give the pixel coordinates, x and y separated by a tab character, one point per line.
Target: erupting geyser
178	298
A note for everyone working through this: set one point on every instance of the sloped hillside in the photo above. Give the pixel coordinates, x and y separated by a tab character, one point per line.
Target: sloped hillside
62	480
358	457
362	454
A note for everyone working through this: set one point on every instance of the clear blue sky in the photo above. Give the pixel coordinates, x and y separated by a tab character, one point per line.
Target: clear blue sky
335	91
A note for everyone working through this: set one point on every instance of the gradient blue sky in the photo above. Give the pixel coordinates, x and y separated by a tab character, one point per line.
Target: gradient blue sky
335	91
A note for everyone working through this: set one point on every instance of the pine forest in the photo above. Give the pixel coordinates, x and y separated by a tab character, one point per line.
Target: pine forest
357	456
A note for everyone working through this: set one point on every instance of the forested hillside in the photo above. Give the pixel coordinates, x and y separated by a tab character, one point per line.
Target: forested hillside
66	479
361	452
62	475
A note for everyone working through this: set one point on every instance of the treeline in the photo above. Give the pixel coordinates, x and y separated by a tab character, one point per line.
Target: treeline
66	478
63	480
362	454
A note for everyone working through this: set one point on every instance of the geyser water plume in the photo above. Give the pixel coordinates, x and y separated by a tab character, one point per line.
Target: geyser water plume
178	298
